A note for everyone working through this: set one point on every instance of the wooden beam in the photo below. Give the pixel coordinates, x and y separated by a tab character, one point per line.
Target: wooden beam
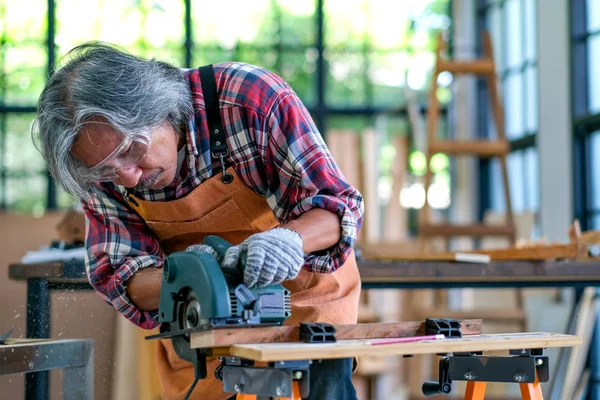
482	148
477	67
540	252
279	334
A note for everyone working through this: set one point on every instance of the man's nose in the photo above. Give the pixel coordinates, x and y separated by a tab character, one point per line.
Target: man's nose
129	177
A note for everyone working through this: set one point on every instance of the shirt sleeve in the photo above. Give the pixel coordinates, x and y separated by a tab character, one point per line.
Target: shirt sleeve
118	244
303	175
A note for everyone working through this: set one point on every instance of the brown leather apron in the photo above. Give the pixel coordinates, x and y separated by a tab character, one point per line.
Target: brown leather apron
234	212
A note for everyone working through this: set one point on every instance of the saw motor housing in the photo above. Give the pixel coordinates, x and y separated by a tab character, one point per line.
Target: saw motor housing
197	293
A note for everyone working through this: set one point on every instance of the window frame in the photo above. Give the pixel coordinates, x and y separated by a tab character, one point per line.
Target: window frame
520	144
320	109
585	123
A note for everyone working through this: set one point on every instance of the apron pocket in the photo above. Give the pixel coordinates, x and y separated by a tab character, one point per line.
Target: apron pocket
227	217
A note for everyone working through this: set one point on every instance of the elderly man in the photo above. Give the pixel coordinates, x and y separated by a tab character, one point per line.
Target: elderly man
130	137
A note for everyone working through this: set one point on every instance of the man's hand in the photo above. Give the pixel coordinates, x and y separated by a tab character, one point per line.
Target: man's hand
271	257
205	249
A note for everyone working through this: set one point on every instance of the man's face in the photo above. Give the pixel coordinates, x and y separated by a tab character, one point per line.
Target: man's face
99	143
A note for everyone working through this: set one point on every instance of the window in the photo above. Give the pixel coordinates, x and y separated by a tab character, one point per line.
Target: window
314	45
512	27
585	47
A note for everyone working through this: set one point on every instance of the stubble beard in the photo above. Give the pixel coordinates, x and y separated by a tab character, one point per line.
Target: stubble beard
148	182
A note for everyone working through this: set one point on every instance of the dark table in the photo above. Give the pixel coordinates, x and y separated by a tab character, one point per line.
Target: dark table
74	356
41	280
375	274
387	274
384	274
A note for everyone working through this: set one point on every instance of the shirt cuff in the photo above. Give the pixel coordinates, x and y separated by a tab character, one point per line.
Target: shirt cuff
329	260
114	293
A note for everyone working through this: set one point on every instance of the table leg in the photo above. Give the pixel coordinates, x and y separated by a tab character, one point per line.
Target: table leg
475	390
295	395
78	382
38	326
531	391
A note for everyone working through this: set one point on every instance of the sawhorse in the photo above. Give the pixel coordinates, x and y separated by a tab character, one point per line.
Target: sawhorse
289	379
525	367
462	359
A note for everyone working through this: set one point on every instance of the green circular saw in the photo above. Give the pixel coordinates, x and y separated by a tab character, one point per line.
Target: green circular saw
198	294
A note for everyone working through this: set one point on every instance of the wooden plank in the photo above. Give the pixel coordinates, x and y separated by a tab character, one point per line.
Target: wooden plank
539	252
395	224
363	347
449	257
509	254
482	148
476	67
583	385
370	173
488	315
433	113
279	334
585	329
429	229
388	250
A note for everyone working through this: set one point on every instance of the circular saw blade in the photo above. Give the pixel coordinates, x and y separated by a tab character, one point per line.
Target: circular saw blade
191	312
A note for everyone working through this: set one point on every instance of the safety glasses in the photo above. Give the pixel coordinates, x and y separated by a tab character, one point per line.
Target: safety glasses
127	155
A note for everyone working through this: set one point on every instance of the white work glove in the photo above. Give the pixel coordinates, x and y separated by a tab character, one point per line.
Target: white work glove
205	249
271	257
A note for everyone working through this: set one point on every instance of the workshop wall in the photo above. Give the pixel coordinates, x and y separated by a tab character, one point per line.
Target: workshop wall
80	314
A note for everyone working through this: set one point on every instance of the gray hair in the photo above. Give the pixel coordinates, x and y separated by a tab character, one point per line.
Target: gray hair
100	80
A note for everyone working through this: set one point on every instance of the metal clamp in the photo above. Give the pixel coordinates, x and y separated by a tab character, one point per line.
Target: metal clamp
276	380
521	366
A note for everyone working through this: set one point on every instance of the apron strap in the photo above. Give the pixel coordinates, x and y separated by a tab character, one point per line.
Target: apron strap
218	142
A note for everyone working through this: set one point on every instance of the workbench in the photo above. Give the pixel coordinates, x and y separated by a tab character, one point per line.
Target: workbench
41	280
375	274
577	275
74	356
473	359
382	274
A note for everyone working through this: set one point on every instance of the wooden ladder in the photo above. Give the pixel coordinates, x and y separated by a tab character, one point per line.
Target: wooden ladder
497	148
480	148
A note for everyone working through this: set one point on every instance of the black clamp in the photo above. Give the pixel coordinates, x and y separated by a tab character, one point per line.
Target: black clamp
523	366
448	327
443	385
317	332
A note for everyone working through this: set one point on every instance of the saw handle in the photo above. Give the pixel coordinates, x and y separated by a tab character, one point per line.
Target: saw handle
221	245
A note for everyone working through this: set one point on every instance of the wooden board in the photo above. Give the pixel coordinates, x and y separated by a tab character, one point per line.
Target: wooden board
356	348
280	334
541	252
